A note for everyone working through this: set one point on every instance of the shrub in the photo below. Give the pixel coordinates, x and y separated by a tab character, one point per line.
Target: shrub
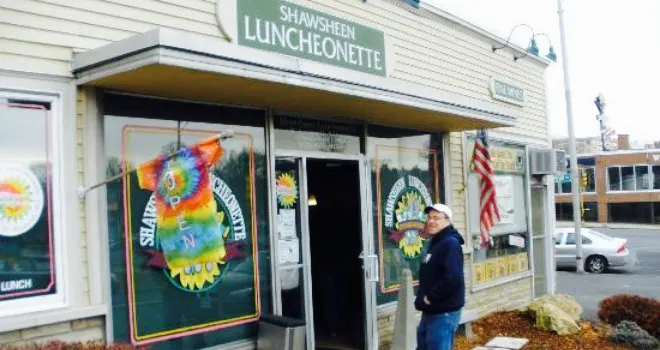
630	333
645	312
58	345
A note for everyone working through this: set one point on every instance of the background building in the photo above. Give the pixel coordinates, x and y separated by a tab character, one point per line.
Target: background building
617	187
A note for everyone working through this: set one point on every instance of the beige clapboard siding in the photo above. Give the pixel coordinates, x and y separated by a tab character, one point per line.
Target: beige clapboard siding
30	49
173	19
22	63
76	15
420	32
56	25
9	31
437	63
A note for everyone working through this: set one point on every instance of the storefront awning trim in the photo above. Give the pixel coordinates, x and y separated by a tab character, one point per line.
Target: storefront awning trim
168	47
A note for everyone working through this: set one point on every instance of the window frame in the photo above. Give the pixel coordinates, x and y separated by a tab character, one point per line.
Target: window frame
31	304
634	166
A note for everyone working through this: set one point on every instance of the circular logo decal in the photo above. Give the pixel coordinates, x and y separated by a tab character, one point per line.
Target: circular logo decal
21	200
404	215
286	190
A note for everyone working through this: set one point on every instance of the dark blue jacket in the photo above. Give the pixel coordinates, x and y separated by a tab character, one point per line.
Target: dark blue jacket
441	274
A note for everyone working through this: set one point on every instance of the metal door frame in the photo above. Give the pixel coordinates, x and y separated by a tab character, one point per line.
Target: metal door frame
369	257
549	242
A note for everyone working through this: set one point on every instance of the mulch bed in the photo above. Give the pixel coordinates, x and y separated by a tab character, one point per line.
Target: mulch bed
519	325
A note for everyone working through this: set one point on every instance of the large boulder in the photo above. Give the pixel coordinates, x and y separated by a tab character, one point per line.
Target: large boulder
563	301
559	313
550	317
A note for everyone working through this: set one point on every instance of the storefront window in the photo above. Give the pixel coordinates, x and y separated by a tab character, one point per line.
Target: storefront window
508	254
656	177
637	212
614	178
27	237
642	177
590	175
200	278
564	211
405	178
627	178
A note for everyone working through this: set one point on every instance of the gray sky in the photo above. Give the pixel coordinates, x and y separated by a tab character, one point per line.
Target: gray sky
613	48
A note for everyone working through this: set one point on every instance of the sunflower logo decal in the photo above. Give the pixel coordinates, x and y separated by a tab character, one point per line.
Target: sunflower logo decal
21	200
287	190
404	215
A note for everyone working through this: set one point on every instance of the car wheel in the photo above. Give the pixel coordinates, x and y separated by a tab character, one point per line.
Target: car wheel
596	264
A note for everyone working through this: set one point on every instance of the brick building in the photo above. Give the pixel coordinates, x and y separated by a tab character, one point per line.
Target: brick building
621	187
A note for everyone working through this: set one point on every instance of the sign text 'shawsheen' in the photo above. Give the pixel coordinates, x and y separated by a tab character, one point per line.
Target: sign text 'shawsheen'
297	31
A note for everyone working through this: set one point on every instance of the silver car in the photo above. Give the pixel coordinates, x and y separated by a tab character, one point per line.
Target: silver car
599	250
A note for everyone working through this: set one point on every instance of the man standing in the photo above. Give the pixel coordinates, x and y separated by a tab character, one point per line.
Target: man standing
441	292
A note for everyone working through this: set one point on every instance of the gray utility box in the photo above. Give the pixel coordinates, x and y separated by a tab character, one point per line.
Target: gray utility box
281	333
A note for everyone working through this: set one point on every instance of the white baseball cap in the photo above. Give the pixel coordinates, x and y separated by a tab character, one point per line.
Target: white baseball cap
440	208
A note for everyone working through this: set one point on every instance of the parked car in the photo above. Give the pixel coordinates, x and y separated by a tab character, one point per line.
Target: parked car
599	250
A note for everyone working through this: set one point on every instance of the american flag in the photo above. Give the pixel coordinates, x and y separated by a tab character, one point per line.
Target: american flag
489	214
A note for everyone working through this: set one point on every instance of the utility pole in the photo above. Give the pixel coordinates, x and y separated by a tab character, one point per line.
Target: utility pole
575	180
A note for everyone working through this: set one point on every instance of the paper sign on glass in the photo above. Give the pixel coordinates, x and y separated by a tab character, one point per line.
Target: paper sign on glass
289	251
287	224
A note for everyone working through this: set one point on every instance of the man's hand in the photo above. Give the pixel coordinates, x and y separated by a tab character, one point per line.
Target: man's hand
426	301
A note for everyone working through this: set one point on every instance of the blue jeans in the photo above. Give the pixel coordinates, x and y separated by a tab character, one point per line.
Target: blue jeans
437	332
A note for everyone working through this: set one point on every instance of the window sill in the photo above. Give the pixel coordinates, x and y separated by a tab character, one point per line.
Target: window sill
501	281
12	323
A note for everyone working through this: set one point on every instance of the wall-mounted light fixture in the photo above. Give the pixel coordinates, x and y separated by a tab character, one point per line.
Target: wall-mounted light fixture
532	48
311	201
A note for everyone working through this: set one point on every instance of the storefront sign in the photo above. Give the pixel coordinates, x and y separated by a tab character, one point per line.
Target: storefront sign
503	91
21	200
317	135
404	214
504	159
294	30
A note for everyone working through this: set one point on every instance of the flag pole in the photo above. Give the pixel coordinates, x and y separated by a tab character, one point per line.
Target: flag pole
82	191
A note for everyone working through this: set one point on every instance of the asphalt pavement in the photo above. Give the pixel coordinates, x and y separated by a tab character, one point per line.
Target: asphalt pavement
641	278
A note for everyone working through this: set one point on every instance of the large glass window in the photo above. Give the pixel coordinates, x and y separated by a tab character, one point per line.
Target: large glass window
406	178
627	178
27	235
589	211
656	177
189	243
589	174
642	179
614	178
508	252
639	212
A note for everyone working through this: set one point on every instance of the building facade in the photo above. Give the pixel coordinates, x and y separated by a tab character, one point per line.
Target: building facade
339	120
618	187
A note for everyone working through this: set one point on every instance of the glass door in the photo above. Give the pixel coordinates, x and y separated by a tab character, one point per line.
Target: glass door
293	280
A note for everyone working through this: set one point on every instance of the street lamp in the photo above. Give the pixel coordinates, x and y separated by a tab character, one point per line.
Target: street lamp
532	47
575	181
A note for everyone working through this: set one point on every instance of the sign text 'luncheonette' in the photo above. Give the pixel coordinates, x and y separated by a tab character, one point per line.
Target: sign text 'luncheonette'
294	30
